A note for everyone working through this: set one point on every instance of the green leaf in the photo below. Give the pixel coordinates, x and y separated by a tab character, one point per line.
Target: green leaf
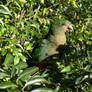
22	1
8	59
5	85
79	80
43	90
66	69
16	68
22	65
45	11
16	60
1	70
33	81
90	88
4	10
57	89
42	1
4	51
1	22
14	90
23	58
27	71
20	46
13	72
2	75
28	45
82	78
44	74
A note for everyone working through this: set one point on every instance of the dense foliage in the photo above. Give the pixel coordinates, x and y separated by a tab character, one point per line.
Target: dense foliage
25	22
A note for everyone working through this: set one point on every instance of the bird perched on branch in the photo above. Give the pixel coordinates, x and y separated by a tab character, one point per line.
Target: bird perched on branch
54	41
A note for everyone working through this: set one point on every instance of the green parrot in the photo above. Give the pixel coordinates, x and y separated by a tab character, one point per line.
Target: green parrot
54	40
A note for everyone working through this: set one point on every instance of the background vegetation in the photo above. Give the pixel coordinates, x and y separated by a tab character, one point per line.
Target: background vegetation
22	24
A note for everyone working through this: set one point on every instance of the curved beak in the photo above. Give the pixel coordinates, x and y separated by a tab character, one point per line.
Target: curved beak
69	29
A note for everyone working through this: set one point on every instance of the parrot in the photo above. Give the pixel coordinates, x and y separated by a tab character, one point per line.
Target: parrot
54	41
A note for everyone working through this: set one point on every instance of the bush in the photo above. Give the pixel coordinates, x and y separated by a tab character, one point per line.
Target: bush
22	24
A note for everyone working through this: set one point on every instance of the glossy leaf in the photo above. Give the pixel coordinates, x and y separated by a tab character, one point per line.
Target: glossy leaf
16	60
66	69
17	68
21	65
35	80
83	78
3	75
14	90
4	10
5	85
8	59
43	90
27	71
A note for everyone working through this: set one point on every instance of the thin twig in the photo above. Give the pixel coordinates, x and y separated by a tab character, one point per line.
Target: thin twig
22	14
27	53
54	5
35	13
9	2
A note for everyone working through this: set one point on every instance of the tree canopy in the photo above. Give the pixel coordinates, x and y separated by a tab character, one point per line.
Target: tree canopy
25	22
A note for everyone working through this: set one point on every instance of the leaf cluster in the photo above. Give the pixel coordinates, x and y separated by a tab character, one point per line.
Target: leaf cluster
22	24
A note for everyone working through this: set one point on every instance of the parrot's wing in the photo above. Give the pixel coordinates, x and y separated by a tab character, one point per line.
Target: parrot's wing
40	50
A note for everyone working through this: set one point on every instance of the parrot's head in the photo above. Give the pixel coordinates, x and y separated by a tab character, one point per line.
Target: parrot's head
63	25
67	25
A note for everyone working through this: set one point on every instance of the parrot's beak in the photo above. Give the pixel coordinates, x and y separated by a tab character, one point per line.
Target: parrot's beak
69	29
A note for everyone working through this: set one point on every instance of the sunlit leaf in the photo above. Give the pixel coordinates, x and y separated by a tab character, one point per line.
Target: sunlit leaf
57	89
2	75
23	58
82	78
27	71
43	90
14	90
8	59
5	85
21	65
33	81
1	22
42	1
16	60
4	10
66	69
16	68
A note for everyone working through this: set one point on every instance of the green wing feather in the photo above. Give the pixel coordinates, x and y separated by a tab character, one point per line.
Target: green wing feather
40	51
56	37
